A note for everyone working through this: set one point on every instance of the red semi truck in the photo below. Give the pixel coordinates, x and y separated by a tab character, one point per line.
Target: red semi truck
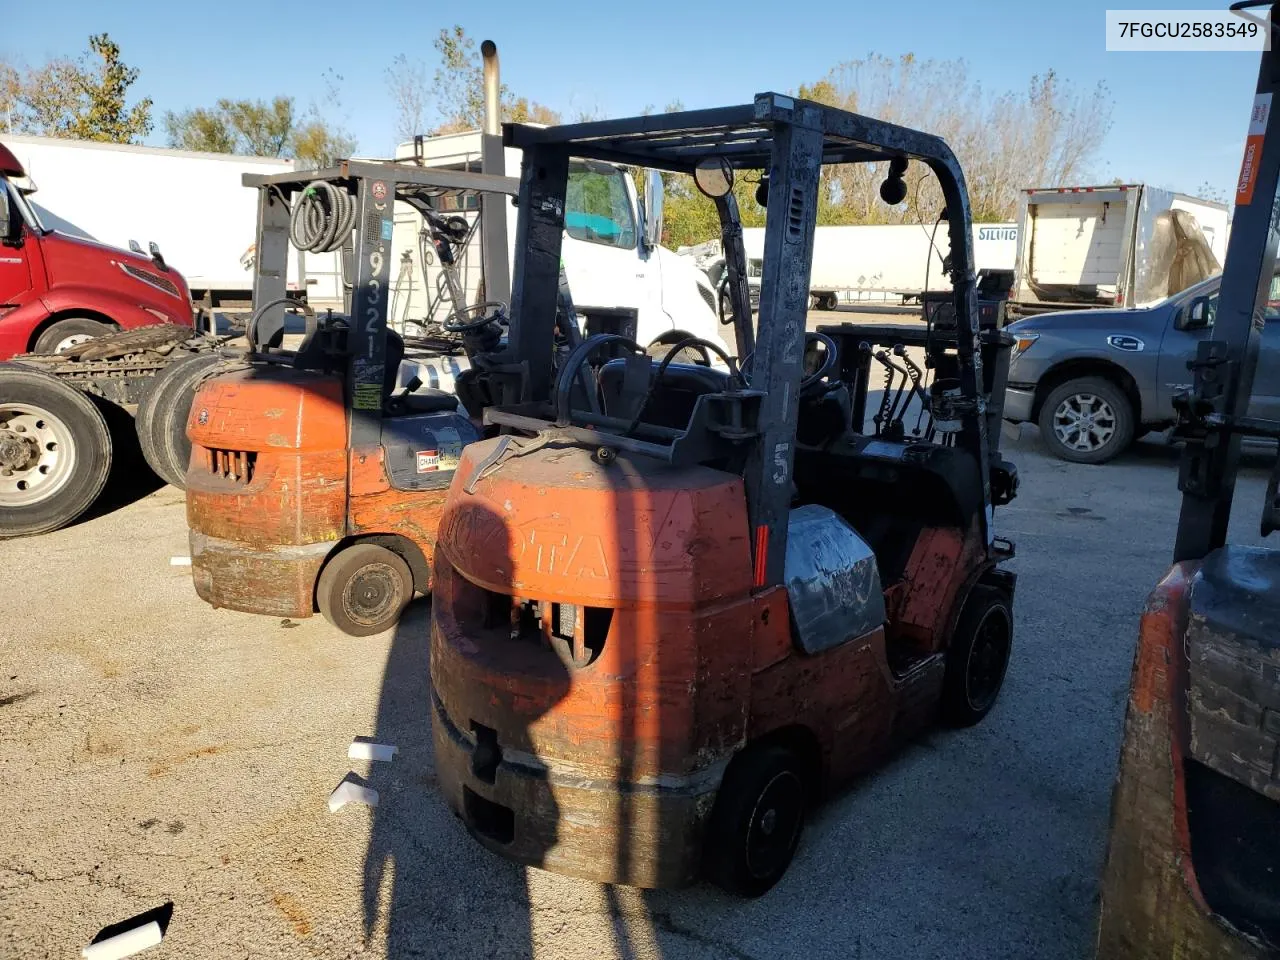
87	329
57	291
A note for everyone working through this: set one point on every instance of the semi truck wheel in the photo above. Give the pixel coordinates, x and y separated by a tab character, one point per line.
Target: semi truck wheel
1086	420
68	333
55	452
364	589
756	821
162	416
977	657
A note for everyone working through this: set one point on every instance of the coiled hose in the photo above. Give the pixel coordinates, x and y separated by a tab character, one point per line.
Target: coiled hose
322	218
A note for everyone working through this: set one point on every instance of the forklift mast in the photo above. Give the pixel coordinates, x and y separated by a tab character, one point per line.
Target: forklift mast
373	188
1215	414
789	140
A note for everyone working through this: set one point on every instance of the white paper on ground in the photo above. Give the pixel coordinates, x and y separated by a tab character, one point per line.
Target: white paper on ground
368	750
179	561
124	944
350	792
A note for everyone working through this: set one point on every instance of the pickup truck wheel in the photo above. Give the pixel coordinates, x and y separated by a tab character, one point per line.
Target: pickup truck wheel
55	452
65	334
1087	420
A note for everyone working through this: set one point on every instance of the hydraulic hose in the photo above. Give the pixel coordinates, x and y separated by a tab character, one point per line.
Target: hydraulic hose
322	218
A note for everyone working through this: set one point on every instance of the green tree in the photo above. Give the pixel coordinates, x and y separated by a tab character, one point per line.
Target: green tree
262	129
10	91
83	99
200	129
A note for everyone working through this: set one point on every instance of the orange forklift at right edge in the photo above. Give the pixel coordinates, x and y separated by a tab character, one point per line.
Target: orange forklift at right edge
673	603
1193	858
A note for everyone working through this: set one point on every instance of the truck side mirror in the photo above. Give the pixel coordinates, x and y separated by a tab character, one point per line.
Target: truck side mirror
653	188
5	208
1196	315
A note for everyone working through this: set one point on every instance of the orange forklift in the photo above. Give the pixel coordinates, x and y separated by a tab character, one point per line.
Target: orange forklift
315	481
1193	862
675	603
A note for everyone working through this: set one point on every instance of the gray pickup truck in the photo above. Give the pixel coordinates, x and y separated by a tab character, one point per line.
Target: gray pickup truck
1095	380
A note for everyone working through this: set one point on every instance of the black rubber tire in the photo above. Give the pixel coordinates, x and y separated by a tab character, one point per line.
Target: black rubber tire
761	772
49	339
161	411
171	421
369	567
1122	410
91	448
977	659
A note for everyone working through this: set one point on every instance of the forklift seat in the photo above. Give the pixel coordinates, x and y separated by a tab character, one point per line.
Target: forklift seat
672	406
422	400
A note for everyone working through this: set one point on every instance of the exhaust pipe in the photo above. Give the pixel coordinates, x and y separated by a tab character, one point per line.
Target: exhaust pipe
492	89
493	212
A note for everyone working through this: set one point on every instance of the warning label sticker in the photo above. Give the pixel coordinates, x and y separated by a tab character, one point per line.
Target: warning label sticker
1253	148
449	444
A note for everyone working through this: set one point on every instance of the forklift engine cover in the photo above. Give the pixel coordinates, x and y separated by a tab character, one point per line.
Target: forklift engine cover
262	505
595	550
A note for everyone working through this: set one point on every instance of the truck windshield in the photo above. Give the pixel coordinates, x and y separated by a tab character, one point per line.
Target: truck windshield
25	209
598	206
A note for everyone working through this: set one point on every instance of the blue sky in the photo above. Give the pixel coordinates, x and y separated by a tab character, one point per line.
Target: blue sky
1179	118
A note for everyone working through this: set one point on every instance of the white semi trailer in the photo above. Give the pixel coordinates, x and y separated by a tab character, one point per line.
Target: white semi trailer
192	205
877	263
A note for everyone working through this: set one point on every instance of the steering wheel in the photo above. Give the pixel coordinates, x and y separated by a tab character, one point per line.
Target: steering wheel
813	376
573	364
670	351
309	315
454	325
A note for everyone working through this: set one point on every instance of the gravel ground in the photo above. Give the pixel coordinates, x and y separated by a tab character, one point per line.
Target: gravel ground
154	750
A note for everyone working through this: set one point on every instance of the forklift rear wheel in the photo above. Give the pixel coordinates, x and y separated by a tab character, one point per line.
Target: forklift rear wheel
756	821
364	589
978	657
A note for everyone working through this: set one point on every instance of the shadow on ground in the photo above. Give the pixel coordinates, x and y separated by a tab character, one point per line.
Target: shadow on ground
428	887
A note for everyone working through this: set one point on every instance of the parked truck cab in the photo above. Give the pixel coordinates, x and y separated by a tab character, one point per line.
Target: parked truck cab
57	290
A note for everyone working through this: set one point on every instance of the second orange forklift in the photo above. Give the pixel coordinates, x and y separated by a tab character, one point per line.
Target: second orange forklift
673	604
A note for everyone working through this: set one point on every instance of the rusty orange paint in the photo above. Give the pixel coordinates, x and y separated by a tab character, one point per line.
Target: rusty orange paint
1151	904
259	546
695	663
924	601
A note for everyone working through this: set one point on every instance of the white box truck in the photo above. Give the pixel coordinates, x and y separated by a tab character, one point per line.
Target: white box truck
192	205
1127	245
